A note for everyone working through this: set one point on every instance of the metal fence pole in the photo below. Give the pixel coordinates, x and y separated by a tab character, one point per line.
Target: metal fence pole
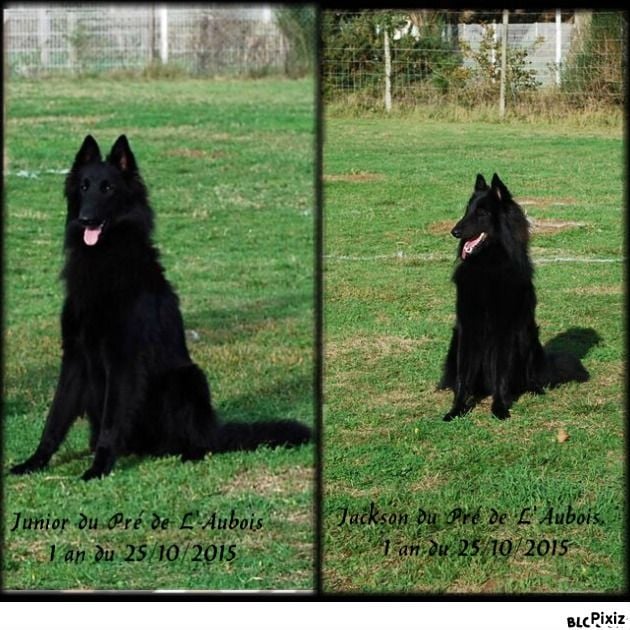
503	64
164	34
558	45
43	37
72	49
151	35
388	71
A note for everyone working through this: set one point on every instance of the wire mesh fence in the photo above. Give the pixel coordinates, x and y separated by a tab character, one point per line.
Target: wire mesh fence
200	40
414	57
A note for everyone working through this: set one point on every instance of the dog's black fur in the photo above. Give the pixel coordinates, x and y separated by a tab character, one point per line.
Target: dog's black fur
125	362
495	348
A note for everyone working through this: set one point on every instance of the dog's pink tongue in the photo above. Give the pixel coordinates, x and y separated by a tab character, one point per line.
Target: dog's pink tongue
470	245
90	236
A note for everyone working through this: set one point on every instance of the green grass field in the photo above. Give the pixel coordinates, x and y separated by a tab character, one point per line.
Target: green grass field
229	166
393	189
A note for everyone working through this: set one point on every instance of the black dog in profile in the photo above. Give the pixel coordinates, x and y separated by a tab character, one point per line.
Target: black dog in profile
125	362
495	348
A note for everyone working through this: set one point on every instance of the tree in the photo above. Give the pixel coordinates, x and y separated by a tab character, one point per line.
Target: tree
297	24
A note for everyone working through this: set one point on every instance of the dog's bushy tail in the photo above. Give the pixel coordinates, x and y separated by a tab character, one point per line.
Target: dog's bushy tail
246	436
563	367
191	412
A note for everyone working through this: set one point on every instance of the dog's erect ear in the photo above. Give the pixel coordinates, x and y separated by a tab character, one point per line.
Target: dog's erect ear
89	152
500	189
480	183
122	157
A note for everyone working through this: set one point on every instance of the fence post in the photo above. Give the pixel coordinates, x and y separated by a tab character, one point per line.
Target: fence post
164	34
151	35
72	49
558	45
503	64
43	33
388	71
6	46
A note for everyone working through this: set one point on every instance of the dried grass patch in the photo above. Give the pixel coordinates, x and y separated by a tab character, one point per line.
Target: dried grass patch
546	202
596	290
266	482
537	226
372	348
552	226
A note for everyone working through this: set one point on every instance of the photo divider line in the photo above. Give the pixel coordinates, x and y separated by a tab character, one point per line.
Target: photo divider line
319	309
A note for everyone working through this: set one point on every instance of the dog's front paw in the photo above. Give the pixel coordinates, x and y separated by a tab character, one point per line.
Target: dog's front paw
500	411
32	464
458	411
92	473
102	465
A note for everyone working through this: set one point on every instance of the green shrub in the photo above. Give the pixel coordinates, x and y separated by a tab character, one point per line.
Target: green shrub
354	52
596	64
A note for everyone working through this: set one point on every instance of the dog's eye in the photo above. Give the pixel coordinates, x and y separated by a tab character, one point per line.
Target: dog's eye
106	187
85	185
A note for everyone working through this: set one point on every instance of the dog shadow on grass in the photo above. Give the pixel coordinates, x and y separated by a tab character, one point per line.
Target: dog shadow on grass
578	341
217	326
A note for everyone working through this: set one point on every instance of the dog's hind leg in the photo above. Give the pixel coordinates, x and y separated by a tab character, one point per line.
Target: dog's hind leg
187	421
67	405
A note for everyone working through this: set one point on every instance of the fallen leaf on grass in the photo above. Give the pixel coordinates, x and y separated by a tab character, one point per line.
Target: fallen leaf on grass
562	436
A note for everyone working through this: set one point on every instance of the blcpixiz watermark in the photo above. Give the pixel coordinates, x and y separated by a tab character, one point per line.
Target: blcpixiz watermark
597	620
